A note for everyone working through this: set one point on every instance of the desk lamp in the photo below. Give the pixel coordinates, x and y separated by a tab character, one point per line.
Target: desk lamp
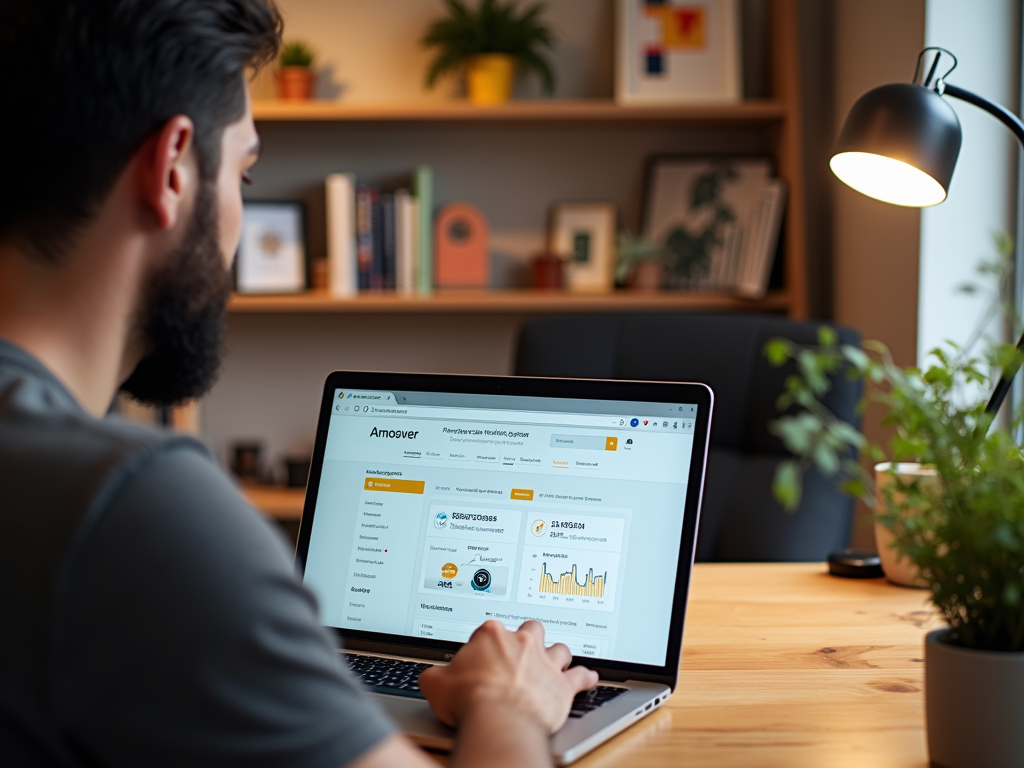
900	144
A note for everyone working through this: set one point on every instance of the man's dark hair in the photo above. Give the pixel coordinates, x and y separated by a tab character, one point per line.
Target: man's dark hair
86	82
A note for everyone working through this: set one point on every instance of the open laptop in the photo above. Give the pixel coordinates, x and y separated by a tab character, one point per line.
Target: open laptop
436	503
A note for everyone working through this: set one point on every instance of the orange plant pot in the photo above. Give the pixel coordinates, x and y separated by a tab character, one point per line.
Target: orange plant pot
295	83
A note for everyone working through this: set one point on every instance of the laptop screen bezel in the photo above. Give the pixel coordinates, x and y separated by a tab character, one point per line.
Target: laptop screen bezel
589	389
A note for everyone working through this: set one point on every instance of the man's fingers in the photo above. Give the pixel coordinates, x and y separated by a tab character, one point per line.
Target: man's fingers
560	654
581	678
534	628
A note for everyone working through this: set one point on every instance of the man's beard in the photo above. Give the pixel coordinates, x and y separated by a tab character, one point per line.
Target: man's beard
181	319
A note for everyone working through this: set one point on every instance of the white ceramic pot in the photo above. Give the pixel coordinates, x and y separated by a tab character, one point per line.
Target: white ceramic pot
974	702
898	569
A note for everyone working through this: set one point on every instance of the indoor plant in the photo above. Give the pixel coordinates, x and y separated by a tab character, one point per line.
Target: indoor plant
963	530
490	43
639	263
295	80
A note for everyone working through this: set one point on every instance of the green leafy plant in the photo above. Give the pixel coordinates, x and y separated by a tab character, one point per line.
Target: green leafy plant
964	529
297	53
495	27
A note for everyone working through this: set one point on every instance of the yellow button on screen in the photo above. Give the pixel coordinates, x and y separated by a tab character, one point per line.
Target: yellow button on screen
390	485
611	444
523	494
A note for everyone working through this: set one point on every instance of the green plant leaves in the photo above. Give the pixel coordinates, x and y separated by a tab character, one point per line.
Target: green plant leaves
495	27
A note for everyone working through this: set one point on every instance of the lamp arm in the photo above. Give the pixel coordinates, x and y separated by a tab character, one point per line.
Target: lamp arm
1011	121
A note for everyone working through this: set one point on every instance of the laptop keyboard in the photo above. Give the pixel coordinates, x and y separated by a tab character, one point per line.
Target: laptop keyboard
401	678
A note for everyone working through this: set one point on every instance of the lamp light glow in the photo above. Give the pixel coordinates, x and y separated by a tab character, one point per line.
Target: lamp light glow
887	179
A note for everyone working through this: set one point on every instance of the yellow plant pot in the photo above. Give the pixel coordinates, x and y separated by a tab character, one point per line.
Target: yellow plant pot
489	78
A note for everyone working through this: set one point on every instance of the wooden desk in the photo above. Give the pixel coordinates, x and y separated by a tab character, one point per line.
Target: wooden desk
786	666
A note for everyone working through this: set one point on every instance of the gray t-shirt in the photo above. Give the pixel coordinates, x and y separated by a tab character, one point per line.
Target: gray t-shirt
148	615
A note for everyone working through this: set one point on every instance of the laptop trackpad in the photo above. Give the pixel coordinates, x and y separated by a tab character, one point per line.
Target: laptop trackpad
413	716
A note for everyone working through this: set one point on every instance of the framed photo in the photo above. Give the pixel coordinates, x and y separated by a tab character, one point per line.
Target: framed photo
272	250
673	51
717	219
584	233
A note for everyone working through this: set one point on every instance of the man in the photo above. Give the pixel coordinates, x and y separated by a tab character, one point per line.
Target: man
149	616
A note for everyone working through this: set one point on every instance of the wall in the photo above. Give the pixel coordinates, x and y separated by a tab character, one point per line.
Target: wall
875	246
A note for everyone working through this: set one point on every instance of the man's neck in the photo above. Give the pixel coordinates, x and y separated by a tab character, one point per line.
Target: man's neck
75	317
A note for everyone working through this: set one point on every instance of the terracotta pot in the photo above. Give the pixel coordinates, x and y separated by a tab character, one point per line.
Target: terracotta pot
646	276
489	78
898	569
295	83
973	705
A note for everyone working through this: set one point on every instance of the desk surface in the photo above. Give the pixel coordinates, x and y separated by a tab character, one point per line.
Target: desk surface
786	666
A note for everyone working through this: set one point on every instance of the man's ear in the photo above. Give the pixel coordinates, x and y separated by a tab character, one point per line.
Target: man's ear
169	170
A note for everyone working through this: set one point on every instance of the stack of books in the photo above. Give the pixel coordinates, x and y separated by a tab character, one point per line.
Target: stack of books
379	241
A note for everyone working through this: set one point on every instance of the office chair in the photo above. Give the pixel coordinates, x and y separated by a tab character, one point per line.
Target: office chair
740	520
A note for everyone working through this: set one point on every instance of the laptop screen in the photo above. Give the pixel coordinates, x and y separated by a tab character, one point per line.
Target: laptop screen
437	512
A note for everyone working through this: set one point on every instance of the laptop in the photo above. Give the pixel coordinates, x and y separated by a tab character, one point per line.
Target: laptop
436	503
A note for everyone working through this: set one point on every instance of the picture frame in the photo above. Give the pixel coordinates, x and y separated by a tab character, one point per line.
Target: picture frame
272	248
717	219
584	233
677	51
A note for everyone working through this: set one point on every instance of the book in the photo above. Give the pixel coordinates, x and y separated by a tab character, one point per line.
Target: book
423	187
343	274
753	283
364	236
387	240
377	242
405	241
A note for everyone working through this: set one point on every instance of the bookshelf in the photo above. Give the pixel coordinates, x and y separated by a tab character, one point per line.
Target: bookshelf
513	161
517	301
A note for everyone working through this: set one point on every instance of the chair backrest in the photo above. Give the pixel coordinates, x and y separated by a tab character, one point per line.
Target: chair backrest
740	521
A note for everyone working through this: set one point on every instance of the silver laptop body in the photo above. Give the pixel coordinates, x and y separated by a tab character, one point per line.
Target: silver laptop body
435	503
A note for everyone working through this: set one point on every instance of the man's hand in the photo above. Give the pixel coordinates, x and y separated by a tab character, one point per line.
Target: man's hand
502	669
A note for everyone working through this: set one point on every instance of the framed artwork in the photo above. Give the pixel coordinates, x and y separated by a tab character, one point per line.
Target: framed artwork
717	219
584	233
272	250
673	51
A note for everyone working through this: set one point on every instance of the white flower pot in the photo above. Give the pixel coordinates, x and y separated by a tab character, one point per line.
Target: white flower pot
974	705
898	569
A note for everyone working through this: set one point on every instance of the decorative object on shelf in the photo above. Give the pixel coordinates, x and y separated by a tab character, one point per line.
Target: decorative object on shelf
547	272
461	238
272	249
718	220
295	80
247	461
320	275
490	43
960	525
639	263
677	50
585	233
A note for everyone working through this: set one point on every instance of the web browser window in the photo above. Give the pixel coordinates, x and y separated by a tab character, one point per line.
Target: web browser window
438	512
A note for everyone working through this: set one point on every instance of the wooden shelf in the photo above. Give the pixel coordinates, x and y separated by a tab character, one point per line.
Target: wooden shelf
276	502
751	111
506	301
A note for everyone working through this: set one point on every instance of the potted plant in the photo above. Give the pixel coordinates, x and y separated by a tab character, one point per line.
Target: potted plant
490	43
295	81
639	263
960	523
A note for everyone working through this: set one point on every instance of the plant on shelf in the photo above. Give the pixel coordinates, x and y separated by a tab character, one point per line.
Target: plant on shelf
296	77
956	513
490	43
639	263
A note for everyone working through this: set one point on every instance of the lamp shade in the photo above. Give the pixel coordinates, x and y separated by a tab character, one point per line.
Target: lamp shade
899	145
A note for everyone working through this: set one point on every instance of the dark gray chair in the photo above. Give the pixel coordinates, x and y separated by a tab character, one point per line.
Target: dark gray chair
740	520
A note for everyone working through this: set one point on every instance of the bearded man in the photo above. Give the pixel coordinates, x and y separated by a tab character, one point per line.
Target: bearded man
150	616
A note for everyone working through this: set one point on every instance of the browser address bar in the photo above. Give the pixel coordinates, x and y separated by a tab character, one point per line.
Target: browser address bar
493	416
